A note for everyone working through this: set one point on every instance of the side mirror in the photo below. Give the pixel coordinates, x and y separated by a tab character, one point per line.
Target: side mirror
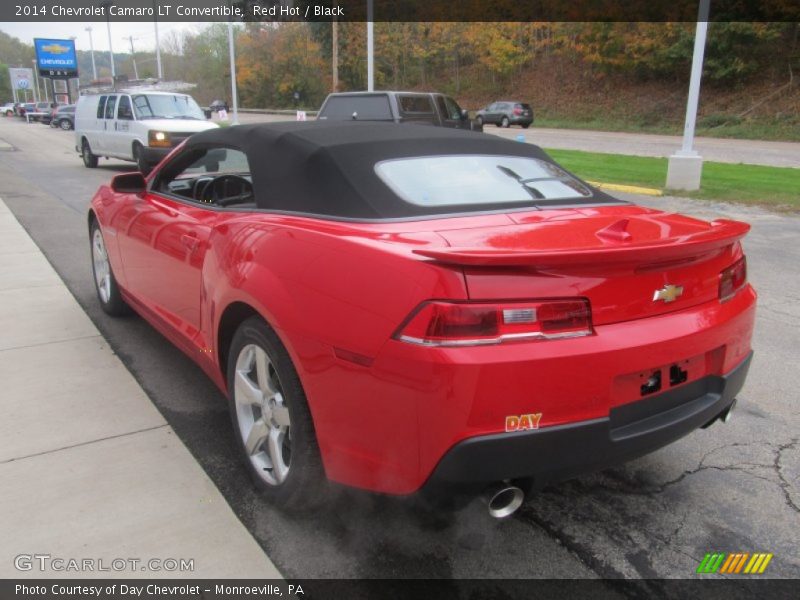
129	183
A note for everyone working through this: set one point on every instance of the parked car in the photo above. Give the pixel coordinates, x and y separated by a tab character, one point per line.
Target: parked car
397	107
218	105
7	109
63	117
505	114
406	309
26	107
142	127
41	112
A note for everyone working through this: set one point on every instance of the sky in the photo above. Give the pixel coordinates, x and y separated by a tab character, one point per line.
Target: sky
143	33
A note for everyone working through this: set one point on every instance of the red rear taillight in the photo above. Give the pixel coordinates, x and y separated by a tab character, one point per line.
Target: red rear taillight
732	279
469	324
517	111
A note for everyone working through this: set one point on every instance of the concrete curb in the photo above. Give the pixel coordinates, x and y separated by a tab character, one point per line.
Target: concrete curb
90	470
631	189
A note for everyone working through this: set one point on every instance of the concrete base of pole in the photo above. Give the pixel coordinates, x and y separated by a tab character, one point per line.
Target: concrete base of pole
684	171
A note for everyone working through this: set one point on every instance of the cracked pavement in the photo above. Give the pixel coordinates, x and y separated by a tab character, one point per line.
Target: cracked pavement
729	488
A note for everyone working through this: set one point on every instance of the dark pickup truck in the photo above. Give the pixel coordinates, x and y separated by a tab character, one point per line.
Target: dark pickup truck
398	107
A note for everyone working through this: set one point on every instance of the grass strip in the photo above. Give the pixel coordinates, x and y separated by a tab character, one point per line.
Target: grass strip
747	184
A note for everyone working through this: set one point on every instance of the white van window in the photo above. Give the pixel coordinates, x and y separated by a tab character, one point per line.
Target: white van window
166	106
124	108
110	104
101	107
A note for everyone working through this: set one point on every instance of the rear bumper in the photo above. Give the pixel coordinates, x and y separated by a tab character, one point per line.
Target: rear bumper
565	451
514	120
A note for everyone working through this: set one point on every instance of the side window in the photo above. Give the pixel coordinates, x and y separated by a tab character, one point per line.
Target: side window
110	104
101	108
442	108
415	104
453	109
124	108
218	176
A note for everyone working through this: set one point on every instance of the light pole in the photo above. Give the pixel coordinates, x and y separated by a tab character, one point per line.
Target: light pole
107	4
685	167
37	96
133	58
234	96
158	47
91	51
370	49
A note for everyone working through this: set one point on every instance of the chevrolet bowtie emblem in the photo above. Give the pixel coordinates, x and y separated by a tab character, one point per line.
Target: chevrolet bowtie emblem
669	293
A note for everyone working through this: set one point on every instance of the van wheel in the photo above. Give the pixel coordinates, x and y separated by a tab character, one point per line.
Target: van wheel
89	159
138	156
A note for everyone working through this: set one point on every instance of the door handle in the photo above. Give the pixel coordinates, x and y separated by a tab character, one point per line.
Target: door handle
190	241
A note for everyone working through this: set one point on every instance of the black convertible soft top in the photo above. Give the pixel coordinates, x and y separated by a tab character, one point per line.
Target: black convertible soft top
328	168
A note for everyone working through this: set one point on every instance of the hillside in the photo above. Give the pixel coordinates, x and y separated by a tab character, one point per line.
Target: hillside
566	94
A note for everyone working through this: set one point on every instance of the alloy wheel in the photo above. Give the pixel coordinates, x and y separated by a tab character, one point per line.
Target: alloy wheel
102	269
262	416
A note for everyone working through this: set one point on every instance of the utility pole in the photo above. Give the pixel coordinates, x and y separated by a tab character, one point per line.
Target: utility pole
133	58
107	4
335	53
91	51
370	49
158	46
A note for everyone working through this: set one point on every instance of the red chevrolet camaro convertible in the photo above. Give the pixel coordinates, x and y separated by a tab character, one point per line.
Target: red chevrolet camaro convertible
406	308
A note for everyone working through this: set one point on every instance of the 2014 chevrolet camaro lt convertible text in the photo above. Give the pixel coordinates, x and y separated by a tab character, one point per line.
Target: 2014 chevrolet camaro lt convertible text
408	308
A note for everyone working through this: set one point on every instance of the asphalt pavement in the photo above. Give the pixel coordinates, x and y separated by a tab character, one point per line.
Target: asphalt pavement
729	488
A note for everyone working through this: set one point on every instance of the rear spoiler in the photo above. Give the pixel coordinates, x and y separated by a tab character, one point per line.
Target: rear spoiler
722	232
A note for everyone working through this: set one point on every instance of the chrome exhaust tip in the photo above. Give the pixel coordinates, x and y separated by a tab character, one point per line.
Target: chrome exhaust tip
503	499
729	413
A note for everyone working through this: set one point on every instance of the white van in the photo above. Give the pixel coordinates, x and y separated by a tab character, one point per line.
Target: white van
139	126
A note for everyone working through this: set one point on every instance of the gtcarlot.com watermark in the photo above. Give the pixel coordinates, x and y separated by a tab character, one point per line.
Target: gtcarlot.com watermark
59	564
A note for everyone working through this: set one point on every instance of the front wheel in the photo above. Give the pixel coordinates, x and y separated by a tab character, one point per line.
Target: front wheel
65	124
479	121
505	122
89	159
138	157
104	281
271	419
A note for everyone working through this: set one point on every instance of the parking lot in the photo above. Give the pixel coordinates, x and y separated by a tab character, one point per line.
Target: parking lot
729	488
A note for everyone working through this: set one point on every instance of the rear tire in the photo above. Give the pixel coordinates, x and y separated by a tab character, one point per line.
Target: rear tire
270	415
105	283
65	124
526	125
89	159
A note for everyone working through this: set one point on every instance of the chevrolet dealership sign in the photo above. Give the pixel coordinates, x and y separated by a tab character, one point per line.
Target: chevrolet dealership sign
56	58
